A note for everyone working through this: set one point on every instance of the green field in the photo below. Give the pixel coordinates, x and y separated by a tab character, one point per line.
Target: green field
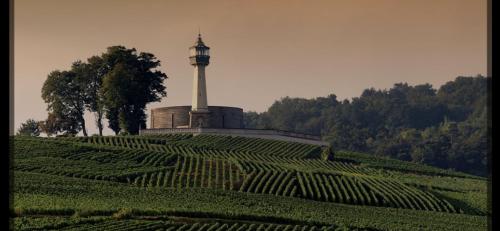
208	182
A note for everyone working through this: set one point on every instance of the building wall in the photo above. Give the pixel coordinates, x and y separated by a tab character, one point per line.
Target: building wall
162	117
219	117
225	117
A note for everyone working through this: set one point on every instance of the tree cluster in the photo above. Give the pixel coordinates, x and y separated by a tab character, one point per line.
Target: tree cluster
116	85
30	127
446	127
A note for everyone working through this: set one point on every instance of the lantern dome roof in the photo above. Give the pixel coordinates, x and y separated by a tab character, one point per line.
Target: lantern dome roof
199	43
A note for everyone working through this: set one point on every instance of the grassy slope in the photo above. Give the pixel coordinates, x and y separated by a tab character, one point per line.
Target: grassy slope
36	193
62	195
387	163
467	191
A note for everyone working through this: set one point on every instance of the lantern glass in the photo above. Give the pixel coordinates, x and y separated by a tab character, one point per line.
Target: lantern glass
199	51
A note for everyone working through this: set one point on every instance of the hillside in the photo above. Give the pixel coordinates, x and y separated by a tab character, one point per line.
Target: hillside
445	127
206	182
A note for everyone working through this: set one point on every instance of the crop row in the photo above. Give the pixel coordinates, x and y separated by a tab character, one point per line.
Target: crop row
257	145
217	226
368	191
295	178
306	165
143	224
88	169
122	141
137	151
169	137
252	166
64	195
224	153
216	151
400	195
270	182
155	169
343	189
29	147
191	147
399	165
195	171
152	139
336	166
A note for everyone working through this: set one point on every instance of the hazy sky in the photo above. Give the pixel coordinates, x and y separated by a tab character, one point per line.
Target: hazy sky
260	50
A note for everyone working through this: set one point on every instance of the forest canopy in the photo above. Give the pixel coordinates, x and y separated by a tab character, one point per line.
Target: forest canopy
445	127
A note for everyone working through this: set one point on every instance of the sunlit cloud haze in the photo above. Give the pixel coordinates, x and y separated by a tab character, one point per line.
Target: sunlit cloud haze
261	50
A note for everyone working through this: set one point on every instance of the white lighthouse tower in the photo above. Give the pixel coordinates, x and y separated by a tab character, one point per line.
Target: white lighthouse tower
199	57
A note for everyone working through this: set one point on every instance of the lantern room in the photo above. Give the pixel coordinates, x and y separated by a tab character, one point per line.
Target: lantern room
199	53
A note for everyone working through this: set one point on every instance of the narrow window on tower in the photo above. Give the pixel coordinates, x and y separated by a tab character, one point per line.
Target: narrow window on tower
172	119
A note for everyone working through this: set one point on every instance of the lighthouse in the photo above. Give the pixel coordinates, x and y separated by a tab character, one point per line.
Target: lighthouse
199	118
199	57
198	114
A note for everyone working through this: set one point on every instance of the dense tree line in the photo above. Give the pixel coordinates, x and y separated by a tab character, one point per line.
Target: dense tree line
446	127
115	85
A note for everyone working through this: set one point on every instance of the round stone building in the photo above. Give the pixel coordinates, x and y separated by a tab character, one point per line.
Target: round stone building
180	117
198	114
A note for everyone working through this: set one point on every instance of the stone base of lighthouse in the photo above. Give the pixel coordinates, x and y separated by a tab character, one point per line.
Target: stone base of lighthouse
199	119
183	117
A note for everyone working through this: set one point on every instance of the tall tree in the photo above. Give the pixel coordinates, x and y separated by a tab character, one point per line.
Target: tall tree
118	85
64	94
92	73
116	89
112	114
131	83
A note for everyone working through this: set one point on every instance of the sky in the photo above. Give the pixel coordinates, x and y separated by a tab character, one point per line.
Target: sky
261	50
